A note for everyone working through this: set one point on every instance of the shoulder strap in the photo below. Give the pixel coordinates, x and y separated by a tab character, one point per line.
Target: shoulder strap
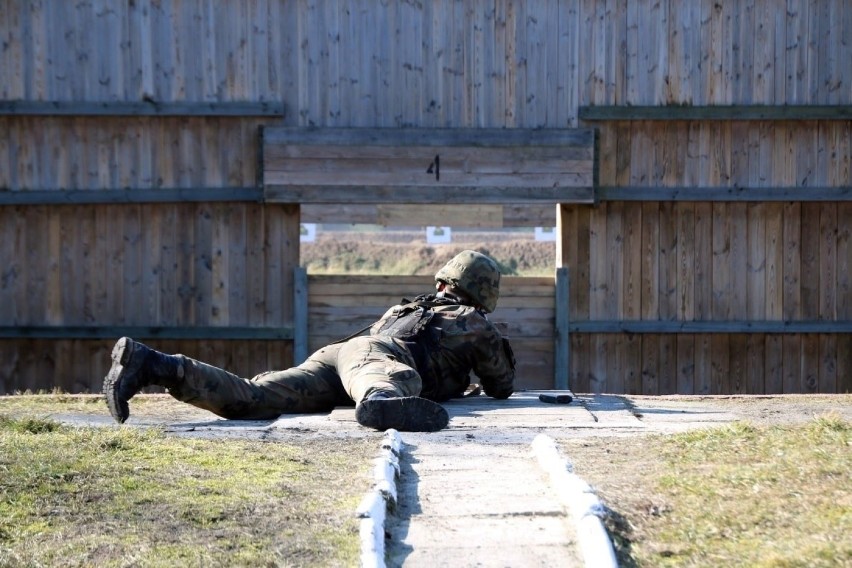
428	300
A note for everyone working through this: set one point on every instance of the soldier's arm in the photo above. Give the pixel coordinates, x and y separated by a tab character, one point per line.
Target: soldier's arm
496	367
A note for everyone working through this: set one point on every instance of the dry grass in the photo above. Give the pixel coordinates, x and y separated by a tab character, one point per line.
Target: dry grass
126	496
738	495
378	253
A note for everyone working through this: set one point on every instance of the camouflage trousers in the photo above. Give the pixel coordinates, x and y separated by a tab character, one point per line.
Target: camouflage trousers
337	375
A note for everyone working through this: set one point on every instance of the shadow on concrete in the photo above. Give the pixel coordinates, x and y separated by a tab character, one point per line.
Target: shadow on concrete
408	505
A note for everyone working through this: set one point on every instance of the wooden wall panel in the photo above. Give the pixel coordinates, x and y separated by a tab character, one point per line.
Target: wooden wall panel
91	153
79	366
170	264
142	265
433	64
719	261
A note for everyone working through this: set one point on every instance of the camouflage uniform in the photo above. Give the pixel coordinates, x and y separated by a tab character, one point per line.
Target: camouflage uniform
339	374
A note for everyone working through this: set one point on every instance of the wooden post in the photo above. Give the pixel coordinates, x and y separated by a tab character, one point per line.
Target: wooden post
562	358
300	315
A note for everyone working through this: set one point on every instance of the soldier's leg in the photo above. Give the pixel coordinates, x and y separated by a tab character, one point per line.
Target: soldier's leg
379	374
314	386
368	364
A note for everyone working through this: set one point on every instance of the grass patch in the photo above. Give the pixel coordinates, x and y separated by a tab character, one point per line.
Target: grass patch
738	495
127	496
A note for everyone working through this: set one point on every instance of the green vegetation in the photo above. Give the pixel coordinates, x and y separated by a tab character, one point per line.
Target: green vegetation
739	495
127	496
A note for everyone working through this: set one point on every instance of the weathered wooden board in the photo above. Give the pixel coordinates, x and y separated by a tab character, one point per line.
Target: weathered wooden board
428	165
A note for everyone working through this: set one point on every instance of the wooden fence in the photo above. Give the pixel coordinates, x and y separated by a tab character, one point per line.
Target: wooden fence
131	189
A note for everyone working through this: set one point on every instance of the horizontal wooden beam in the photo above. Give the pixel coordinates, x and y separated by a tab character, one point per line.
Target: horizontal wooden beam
636	193
626	326
160	195
717	112
474	137
456	216
419	194
140	108
144	332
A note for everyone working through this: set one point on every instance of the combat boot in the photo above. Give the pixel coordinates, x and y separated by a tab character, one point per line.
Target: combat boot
134	367
381	411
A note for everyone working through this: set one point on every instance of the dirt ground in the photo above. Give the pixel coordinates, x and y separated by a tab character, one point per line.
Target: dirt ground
757	409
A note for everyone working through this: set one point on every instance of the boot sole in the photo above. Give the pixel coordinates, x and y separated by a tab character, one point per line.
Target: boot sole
122	353
406	414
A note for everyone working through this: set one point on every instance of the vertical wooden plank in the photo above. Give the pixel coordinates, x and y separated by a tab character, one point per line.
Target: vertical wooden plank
581	275
756	262
774	261
774	364
739	363
220	264
614	363
720	354
685	363
721	264
133	254
631	357
843	366
792	261
256	246
828	260
614	297
796	57
668	364
650	364
185	264
743	24
669	254
521	49
738	260
632	90
567	44
631	286
844	261
755	363
562	355
598	355
509	46
290	261
53	311
650	261
810	363
703	261
300	317
792	363
167	281
69	261
810	260
203	264
151	267
237	274
11	256
598	273
580	371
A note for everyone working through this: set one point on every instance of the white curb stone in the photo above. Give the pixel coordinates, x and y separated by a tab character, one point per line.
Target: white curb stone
374	505
585	507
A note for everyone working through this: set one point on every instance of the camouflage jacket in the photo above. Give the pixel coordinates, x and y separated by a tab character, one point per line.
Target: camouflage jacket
458	339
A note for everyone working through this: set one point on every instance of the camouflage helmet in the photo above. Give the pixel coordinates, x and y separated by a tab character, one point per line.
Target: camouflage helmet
476	275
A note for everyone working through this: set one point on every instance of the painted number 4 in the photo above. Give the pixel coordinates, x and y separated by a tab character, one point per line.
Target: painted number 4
435	167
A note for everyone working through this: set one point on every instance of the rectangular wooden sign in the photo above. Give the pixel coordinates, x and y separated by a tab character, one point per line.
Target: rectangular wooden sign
393	165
